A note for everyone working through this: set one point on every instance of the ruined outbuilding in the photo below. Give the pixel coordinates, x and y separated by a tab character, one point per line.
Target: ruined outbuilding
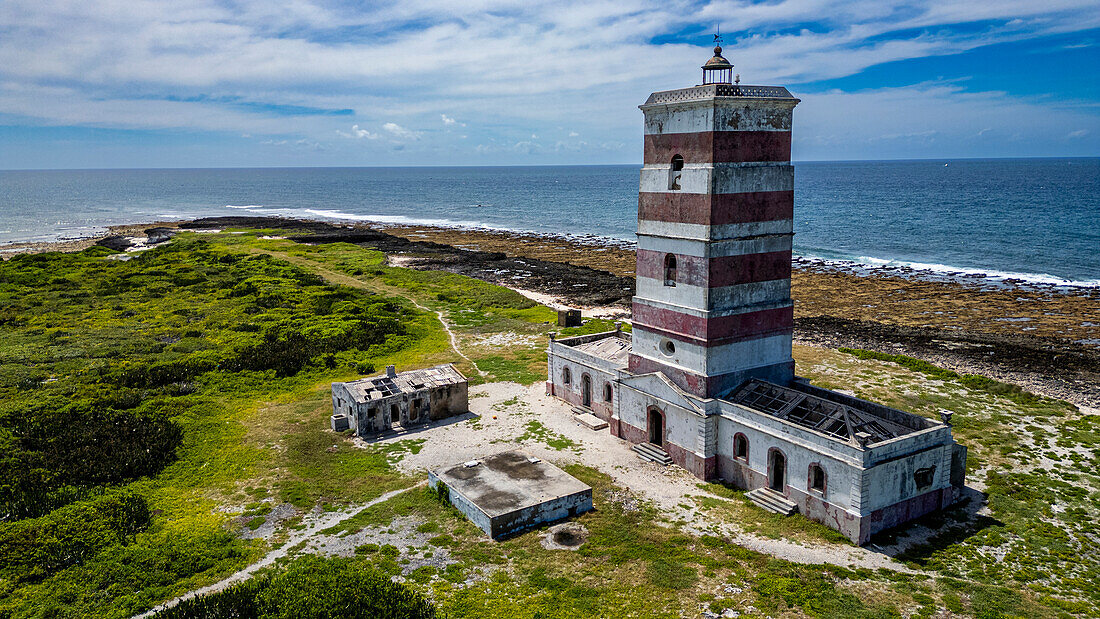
511	492
396	401
706	377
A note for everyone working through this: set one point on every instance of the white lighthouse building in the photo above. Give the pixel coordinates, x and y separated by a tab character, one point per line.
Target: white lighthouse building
706	379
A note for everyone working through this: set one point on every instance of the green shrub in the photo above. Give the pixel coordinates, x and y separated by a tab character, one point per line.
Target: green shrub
34	548
310	588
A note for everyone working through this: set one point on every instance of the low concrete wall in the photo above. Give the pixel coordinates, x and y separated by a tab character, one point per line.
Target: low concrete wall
521	520
464	505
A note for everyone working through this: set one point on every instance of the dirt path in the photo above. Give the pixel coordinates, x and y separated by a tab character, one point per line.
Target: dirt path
347	280
320	524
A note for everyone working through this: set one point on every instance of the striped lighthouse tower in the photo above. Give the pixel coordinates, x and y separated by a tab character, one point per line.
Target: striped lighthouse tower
715	223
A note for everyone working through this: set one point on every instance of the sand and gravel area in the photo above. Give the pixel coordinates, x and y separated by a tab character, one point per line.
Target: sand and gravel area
507	412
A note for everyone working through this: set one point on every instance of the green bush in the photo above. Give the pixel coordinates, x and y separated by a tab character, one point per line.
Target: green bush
310	588
34	548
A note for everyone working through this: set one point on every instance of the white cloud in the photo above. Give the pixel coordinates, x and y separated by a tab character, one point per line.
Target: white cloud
400	132
358	133
156	64
927	120
1079	133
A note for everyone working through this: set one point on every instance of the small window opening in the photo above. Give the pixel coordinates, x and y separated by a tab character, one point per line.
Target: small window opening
668	348
670	269
414	410
675	172
817	478
566	376
741	447
924	477
607	392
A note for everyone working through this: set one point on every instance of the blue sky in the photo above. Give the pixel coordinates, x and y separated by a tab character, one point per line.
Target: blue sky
211	83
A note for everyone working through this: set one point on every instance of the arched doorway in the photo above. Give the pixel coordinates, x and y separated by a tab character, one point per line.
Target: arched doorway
777	470
656	427
586	391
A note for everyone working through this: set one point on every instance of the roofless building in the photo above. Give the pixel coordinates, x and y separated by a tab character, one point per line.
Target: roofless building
706	379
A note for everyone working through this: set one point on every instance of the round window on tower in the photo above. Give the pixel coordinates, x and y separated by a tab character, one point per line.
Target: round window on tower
668	348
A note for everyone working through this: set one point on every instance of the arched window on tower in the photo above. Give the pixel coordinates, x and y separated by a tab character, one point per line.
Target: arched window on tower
670	270
675	171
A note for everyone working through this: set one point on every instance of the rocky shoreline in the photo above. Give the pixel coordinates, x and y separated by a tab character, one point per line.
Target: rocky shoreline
1041	337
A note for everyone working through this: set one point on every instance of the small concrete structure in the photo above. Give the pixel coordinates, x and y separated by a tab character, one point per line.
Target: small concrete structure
511	492
393	401
569	318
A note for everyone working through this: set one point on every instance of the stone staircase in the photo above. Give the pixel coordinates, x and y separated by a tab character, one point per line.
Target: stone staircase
653	453
770	500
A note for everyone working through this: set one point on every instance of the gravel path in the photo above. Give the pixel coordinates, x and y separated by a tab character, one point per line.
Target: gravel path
323	521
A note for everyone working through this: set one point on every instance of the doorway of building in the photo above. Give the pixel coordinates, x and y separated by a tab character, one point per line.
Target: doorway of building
777	471
395	414
586	391
656	427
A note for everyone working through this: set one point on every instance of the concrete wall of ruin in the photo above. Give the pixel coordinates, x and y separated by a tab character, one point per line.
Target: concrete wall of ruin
842	464
601	372
685	430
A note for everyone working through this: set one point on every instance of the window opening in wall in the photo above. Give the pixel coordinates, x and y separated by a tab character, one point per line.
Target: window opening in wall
741	447
566	376
817	478
607	393
668	348
675	172
414	410
924	477
670	270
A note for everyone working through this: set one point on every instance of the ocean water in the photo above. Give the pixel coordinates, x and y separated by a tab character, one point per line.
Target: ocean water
1032	219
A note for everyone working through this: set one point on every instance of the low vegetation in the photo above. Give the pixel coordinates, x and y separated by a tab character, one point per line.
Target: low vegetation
310	588
157	413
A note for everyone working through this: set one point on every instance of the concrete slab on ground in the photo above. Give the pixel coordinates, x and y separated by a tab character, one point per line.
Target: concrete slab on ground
590	421
512	491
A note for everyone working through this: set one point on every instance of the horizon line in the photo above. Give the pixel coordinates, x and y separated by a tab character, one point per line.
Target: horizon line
532	165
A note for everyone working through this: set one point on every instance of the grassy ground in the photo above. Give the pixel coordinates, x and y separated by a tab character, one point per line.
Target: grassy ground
636	564
253	438
1035	458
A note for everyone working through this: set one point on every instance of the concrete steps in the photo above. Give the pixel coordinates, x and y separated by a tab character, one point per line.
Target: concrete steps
770	500
653	453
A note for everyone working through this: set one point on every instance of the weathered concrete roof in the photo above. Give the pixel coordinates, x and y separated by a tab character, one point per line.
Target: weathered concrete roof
720	91
613	348
510	481
383	386
842	421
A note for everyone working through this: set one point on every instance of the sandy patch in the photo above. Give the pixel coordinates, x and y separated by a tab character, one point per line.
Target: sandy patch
505	410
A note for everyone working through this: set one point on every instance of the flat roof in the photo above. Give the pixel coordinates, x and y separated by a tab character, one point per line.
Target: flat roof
720	91
509	481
